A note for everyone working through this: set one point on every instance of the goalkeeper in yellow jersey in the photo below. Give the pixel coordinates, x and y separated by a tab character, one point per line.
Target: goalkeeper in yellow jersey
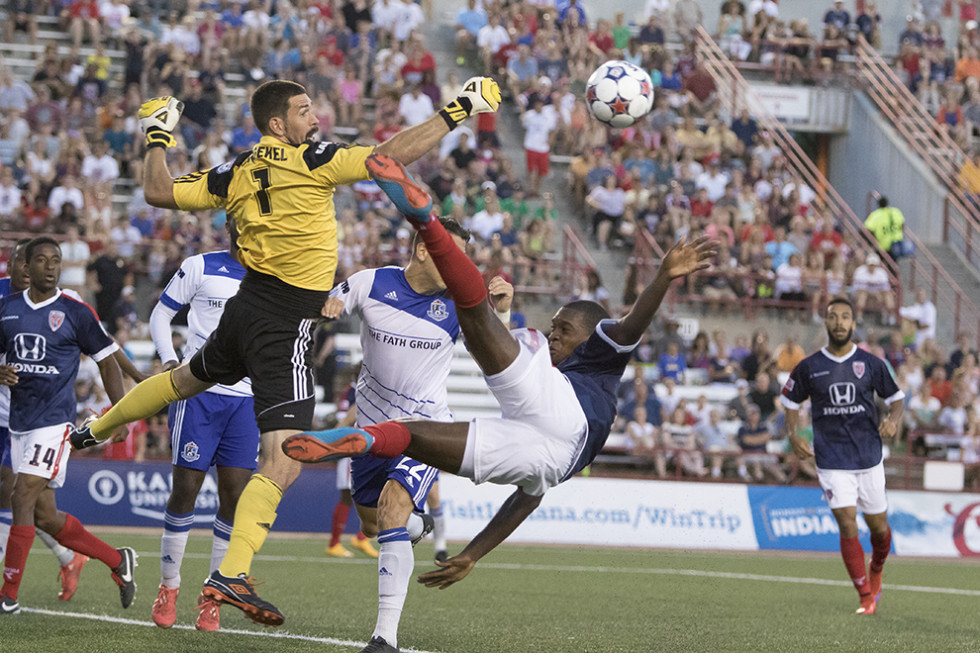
281	195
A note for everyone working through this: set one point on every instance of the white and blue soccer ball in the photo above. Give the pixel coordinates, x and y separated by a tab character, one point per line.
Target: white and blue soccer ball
619	93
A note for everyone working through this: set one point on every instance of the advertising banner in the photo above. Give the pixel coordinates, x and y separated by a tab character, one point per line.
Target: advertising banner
110	493
935	523
797	518
611	512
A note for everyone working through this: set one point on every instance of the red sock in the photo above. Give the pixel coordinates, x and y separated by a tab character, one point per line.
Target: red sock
340	514
853	554
74	536
18	546
390	438
360	536
462	278
880	546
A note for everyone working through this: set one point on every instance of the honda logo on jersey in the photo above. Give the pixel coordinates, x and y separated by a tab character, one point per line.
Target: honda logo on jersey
56	319
842	394
30	346
858	367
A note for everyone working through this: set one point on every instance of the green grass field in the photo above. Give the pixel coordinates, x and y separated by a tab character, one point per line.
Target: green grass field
519	599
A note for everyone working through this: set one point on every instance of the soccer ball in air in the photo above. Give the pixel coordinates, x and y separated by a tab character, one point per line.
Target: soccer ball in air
619	93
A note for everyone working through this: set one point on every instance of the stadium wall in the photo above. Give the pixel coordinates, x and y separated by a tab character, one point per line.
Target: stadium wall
871	156
583	511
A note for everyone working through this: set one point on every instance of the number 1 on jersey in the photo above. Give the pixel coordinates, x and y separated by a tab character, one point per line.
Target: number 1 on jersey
261	176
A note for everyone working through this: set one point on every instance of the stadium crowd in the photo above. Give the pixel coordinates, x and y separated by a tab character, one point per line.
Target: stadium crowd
70	158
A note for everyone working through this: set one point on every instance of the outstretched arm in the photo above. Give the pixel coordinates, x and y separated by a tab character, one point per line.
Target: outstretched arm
514	511
682	259
158	185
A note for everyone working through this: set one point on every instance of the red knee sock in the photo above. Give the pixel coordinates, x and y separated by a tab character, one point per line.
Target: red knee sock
461	276
880	546
390	438
853	554
340	514
360	537
18	546
74	536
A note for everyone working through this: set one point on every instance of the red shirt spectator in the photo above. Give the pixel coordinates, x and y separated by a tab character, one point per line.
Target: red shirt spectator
330	51
603	41
132	447
84	9
828	242
768	233
701	206
385	130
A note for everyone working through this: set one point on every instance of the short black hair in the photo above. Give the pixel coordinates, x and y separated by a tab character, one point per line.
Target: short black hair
882	202
591	312
271	100
454	228
19	247
33	244
841	300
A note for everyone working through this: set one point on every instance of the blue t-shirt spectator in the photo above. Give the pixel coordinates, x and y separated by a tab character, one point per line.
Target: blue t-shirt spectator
242	140
672	366
471	19
780	252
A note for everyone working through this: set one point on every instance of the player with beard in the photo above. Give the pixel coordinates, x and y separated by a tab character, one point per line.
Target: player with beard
281	194
841	381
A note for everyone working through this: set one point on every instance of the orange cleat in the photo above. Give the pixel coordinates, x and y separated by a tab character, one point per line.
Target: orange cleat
868	605
69	576
164	612
208	617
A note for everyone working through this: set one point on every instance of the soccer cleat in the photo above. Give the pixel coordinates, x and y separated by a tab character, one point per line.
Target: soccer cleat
69	576
868	604
441	556
874	577
164	611
8	605
323	446
338	551
81	437
123	576
428	523
408	197
365	547
379	645
239	591
208	616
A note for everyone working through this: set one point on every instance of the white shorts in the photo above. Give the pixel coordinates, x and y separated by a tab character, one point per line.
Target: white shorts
42	452
542	429
343	474
862	488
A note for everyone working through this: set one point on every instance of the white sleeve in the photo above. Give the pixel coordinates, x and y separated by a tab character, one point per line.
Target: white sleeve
184	284
160	320
354	291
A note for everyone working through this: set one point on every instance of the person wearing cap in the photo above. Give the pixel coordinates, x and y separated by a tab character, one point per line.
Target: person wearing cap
752	437
869	25
871	280
538	127
837	16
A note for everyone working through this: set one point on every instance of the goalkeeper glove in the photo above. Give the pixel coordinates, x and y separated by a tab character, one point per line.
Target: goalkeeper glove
479	95
158	118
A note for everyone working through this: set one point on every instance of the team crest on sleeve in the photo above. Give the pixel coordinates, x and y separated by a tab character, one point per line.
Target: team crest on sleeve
437	310
858	367
190	452
790	384
56	319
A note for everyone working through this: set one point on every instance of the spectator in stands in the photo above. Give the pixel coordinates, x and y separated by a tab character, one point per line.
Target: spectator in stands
764	394
753	436
738	407
869	25
83	16
469	22
415	107
759	357
491	39
521	70
871	280
67	193
687	18
642	436
788	354
789	284
968	69
100	167
107	277
780	249
609	204
952	418
244	136
484	223
922	314
826	241
679	437
672	364
939	385
923	409
539	123
837	16
713	440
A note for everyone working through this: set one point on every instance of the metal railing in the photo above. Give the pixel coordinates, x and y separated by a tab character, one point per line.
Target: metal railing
929	140
735	92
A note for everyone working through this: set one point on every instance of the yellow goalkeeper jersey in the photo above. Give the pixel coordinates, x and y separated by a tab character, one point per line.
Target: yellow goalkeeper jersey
281	196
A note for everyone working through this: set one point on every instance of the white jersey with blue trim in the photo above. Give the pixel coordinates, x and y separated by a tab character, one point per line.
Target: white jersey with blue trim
407	339
204	282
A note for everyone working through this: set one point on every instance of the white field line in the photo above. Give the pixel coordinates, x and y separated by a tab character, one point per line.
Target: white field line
231	631
628	570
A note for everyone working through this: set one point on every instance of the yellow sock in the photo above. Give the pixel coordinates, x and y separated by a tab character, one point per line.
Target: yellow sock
254	516
146	399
